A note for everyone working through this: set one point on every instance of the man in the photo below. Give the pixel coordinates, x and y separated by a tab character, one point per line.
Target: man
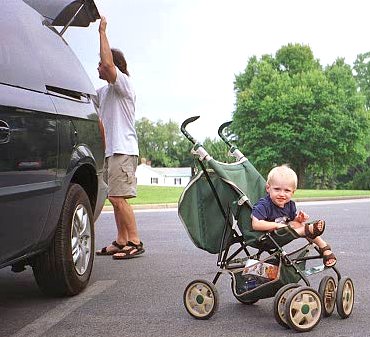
116	102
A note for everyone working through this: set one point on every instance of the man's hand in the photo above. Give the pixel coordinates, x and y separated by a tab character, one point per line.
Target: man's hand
102	25
107	69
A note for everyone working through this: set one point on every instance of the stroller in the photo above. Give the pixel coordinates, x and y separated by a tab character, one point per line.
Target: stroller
215	209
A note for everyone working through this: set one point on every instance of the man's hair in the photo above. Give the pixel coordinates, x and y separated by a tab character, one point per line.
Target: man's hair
285	172
120	61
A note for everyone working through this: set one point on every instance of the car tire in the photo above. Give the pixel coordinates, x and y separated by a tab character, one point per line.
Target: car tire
65	268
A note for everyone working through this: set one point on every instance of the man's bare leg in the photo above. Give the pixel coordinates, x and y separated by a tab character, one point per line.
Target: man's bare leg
122	236
126	218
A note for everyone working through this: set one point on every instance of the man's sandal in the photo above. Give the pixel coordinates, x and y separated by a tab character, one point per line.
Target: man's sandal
316	231
327	257
132	250
104	251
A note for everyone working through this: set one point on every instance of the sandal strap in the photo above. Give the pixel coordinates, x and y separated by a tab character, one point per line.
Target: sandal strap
324	249
316	231
328	257
136	246
116	244
308	233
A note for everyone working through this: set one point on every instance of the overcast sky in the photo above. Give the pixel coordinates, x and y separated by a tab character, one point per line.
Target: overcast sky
183	54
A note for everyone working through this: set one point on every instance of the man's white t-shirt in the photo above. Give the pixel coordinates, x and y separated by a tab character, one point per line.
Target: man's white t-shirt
116	102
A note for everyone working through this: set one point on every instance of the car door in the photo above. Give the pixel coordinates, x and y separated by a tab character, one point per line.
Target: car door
28	137
28	159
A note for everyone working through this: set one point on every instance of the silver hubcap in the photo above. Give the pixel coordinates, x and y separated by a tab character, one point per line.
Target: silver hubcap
81	239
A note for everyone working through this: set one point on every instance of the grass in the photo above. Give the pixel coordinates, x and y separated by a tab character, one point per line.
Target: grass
155	195
169	195
329	193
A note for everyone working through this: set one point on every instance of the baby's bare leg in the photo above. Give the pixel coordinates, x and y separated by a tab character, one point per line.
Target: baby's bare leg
298	227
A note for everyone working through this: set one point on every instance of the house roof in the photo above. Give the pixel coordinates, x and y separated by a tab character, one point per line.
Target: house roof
173	171
169	171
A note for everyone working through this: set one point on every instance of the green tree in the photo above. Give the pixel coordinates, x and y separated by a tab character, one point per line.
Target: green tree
291	110
361	69
218	150
162	143
361	172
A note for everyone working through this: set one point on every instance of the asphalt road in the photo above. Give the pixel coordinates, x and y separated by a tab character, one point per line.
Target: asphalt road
143	296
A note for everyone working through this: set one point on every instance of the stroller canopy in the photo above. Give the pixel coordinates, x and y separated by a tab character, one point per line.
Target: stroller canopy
200	213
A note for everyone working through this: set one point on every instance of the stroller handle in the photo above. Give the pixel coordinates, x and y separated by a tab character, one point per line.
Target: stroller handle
221	129
184	125
233	151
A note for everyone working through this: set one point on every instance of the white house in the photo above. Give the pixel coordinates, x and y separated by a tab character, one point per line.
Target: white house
162	176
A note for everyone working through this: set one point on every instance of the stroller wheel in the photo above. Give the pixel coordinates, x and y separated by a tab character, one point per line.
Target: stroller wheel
201	299
280	301
303	309
328	291
345	297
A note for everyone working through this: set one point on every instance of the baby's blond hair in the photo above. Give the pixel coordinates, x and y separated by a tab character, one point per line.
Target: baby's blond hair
284	172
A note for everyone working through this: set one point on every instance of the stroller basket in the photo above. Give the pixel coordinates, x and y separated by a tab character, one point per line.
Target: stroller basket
264	287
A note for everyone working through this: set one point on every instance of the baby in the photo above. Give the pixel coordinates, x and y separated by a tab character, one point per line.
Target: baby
277	210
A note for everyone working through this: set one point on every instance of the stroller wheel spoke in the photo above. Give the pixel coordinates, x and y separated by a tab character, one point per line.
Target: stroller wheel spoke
204	291
195	292
208	301
201	309
298	317
296	306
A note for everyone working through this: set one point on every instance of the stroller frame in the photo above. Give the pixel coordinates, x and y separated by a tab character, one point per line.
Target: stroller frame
230	263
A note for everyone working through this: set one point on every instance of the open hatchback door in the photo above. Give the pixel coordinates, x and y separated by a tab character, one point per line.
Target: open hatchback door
66	13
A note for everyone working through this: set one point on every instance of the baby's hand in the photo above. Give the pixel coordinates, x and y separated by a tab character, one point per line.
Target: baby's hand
280	225
302	216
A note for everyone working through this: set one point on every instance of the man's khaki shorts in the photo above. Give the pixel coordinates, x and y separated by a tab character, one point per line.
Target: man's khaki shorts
119	174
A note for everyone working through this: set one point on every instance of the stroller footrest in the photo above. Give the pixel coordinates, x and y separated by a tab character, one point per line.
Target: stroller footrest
314	270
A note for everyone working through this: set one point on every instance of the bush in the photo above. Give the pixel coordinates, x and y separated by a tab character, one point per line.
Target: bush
361	180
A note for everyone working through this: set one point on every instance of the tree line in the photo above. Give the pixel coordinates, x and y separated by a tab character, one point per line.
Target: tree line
289	109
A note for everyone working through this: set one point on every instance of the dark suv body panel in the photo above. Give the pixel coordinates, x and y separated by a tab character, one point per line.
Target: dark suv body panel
49	134
28	169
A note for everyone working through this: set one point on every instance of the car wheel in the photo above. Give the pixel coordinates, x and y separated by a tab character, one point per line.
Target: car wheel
65	268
